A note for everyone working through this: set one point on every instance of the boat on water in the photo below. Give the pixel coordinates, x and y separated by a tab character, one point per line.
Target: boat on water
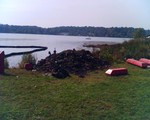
88	38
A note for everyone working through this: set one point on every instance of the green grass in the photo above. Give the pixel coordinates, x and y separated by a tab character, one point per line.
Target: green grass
28	95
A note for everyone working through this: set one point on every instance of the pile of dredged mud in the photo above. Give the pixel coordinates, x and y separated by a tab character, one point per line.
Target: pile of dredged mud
76	62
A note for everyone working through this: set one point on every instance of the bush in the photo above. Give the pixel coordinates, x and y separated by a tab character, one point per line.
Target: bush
136	48
139	33
106	57
6	63
27	58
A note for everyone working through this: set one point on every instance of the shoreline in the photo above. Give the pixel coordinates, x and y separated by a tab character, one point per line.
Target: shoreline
99	43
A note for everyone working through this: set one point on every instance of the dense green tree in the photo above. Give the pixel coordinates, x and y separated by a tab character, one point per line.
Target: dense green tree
139	33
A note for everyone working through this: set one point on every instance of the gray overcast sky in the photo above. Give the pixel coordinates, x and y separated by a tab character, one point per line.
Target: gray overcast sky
52	13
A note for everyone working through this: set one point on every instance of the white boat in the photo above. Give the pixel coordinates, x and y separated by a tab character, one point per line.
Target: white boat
88	38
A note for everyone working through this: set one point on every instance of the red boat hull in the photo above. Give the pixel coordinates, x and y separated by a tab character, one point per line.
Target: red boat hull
2	56
137	63
145	60
117	71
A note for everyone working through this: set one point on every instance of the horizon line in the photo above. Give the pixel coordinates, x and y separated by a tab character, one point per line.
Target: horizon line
72	26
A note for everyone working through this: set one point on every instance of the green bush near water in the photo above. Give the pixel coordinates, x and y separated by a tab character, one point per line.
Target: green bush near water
136	48
27	58
6	63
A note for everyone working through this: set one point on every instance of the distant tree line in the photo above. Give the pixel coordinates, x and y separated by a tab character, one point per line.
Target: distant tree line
74	31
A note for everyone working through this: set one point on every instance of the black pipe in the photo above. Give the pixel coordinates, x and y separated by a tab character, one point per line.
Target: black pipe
38	48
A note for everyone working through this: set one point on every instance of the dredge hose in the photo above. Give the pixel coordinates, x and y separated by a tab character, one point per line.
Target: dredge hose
36	49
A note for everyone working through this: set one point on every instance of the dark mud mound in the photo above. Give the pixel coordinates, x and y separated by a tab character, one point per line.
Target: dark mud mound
70	61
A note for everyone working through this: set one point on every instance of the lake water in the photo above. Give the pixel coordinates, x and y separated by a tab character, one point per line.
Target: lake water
59	43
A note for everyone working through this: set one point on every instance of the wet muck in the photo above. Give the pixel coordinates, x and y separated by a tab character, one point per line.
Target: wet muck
70	61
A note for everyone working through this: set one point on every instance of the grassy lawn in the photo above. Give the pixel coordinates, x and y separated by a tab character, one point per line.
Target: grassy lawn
28	95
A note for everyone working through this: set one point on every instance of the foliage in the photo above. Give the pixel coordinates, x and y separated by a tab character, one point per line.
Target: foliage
105	54
139	33
147	32
6	63
27	58
136	48
75	31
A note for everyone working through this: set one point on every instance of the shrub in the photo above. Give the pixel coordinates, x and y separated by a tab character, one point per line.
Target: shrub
27	58
6	63
139	33
136	48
